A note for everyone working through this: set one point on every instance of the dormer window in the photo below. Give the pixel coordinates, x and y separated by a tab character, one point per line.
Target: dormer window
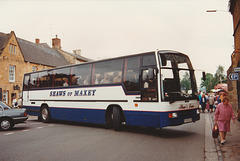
12	48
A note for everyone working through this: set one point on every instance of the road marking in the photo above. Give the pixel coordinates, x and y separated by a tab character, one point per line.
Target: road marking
36	123
39	127
10	133
25	130
50	125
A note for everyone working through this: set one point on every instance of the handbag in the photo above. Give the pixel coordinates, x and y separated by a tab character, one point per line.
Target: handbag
215	131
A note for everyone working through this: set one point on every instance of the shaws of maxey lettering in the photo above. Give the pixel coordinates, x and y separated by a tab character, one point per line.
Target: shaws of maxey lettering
75	93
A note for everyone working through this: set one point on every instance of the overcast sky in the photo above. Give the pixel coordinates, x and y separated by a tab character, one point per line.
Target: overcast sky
110	28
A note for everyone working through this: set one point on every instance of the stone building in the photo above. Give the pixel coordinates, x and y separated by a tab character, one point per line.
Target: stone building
19	56
234	86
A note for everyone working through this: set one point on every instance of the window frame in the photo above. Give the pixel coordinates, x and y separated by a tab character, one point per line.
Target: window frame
125	81
12	48
12	73
103	69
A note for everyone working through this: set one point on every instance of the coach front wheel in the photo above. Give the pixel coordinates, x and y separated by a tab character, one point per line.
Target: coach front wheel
117	123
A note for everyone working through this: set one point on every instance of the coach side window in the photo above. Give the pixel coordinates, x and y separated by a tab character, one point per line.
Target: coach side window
45	79
149	60
61	77
26	82
34	80
107	72
131	73
80	75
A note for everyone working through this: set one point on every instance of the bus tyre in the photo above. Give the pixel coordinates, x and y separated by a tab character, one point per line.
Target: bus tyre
6	124
117	124
45	115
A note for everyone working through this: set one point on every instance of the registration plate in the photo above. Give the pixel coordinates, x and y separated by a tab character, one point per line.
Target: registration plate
188	120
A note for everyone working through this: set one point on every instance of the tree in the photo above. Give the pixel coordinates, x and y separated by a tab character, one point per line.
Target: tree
219	76
211	81
186	82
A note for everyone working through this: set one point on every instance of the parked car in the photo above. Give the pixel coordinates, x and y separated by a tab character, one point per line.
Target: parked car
9	117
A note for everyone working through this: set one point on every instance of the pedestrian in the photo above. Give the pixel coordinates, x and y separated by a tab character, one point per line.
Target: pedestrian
199	97
14	102
211	102
203	102
219	98
223	115
20	102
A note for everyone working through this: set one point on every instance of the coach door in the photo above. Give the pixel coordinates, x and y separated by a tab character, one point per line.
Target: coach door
149	78
149	85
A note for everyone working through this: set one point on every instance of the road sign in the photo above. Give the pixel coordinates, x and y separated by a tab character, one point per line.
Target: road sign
233	76
236	69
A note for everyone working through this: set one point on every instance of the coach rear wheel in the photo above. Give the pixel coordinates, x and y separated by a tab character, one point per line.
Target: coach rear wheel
45	115
117	123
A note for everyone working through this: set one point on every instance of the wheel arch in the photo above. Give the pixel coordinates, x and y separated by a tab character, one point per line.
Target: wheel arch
7	117
109	112
44	105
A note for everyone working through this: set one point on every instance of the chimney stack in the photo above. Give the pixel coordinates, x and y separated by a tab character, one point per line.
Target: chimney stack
56	43
77	52
37	41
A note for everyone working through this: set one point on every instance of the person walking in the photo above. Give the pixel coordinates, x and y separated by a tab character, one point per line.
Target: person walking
14	102
223	115
211	102
20	102
203	102
199	97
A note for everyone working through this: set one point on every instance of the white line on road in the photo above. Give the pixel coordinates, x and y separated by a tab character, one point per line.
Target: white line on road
39	127
10	133
50	125
25	130
35	123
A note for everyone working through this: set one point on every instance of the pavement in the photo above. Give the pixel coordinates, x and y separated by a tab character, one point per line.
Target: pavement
230	151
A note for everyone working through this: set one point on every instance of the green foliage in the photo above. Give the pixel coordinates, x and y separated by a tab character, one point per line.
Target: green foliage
186	82
211	81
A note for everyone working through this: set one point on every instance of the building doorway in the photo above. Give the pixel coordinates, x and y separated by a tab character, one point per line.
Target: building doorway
13	95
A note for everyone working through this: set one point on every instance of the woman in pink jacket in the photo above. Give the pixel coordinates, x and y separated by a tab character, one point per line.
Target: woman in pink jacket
223	115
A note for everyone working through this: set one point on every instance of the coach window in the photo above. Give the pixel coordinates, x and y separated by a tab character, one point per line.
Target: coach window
45	79
149	60
107	72
80	75
131	73
61	77
26	82
34	80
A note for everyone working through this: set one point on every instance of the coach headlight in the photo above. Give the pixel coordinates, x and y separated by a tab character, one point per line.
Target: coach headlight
172	115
